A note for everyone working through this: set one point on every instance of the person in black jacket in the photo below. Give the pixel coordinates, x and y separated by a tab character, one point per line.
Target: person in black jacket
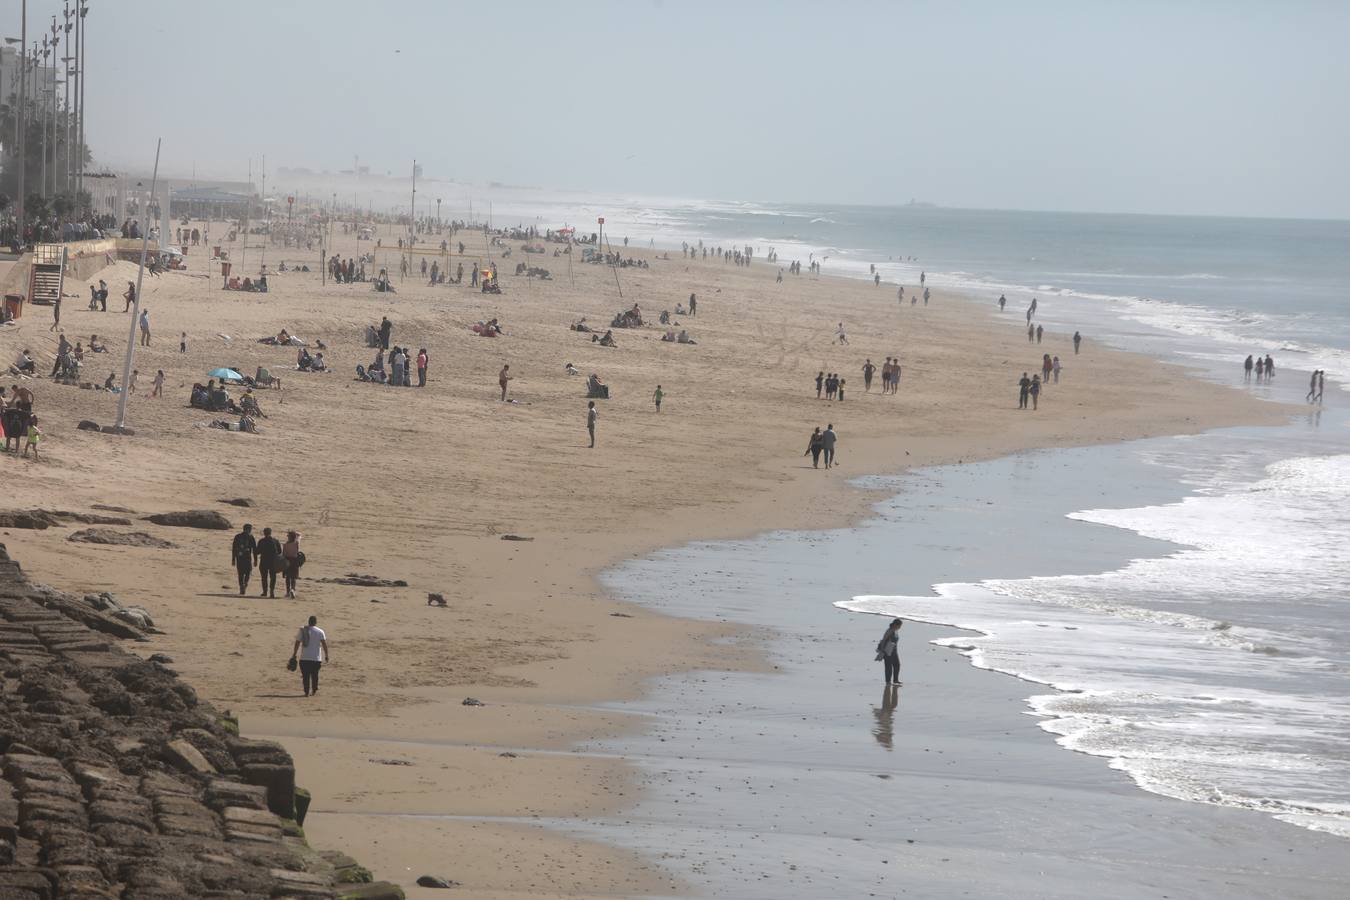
243	550
268	557
888	651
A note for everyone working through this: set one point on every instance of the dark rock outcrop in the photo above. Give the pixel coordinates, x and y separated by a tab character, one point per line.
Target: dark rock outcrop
120	538
192	518
117	781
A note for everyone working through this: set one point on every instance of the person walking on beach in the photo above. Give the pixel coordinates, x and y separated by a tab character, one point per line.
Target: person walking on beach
814	446
1033	306
591	415
868	369
1077	339
129	296
693	305
34	436
1029	310
1055	367
1321	383
1270	368
145	328
182	343
1040	332
386	329
820	383
311	646
839	391
888	651
827	441
1023	391
267	556
422	367
1035	391
1260	369
157	386
1002	302
839	336
292	559
56	316
1312	386
657	396
242	553
1247	368
503	379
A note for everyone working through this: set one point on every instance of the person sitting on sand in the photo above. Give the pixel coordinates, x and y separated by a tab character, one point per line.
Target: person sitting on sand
684	338
596	388
303	361
110	383
571	369
669	335
665	317
317	364
608	340
249	405
680	310
95	346
24	363
283	336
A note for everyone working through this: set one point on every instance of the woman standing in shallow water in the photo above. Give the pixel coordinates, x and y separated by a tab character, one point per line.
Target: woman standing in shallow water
888	651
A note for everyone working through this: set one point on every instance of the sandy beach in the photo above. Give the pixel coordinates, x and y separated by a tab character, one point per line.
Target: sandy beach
421	485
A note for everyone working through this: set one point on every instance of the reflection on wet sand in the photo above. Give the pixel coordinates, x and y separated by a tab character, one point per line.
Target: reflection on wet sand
883	731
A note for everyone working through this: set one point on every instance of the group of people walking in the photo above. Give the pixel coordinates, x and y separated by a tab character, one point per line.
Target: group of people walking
822	444
1263	367
271	558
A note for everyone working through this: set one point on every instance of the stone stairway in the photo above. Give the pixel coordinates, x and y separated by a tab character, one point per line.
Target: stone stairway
47	276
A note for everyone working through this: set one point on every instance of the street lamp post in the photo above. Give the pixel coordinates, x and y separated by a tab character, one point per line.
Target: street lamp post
65	118
23	78
83	62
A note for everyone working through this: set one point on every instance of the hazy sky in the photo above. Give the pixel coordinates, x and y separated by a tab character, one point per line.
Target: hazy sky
1194	107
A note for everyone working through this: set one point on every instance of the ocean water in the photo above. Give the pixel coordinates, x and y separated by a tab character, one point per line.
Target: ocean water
1216	666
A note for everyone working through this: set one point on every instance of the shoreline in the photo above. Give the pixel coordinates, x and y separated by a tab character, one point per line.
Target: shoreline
532	696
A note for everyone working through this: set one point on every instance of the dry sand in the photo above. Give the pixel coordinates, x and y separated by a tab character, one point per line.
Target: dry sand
421	484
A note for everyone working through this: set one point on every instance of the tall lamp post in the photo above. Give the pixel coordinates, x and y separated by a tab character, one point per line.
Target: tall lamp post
23	104
81	65
70	73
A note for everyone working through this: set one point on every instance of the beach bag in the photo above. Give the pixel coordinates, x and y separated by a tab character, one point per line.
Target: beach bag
291	664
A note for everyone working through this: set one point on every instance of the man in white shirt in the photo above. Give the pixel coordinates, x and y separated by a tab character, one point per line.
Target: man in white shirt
311	646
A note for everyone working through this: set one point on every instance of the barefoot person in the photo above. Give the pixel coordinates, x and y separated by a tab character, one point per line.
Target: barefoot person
888	651
267	556
242	553
504	378
591	415
292	559
311	646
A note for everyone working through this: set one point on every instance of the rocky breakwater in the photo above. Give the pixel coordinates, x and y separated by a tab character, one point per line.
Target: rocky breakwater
116	781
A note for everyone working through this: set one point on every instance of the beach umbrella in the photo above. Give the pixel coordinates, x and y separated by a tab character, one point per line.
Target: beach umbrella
225	375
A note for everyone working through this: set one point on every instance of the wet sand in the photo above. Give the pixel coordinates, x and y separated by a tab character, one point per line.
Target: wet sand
815	780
